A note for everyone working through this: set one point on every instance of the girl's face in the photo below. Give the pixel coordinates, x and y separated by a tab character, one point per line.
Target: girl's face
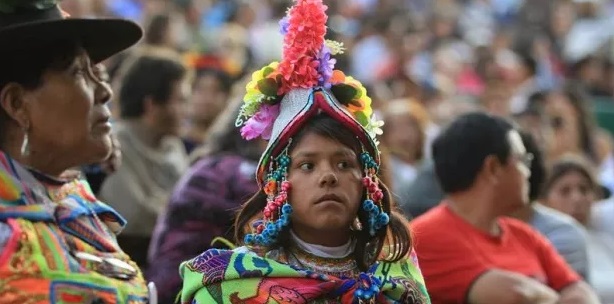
326	179
572	194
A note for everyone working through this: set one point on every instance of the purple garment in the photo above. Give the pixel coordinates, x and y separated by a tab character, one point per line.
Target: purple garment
202	207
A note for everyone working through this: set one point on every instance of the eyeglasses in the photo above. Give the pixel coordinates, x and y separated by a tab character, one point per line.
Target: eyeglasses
526	159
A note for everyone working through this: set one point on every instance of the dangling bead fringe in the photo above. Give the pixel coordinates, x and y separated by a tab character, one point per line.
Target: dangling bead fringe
277	211
377	218
368	288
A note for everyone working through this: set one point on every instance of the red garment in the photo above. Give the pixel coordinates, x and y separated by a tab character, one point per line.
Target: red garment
453	254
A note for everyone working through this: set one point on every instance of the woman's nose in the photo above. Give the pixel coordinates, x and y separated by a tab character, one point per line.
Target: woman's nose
103	93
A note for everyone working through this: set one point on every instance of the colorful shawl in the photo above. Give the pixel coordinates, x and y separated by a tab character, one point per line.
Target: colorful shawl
241	276
50	221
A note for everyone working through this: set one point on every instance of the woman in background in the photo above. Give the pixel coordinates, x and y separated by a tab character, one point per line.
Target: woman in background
404	139
210	96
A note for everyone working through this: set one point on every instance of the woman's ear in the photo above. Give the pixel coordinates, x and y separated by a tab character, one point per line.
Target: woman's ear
13	102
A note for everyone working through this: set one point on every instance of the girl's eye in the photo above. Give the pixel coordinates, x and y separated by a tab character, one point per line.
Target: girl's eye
343	165
306	166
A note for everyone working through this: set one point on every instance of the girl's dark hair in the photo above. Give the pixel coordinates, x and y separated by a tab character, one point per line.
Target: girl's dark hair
569	164
394	242
26	67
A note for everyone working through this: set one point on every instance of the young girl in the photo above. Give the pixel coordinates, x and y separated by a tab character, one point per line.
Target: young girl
322	228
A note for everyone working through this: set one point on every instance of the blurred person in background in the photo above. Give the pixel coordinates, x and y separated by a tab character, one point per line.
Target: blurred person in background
469	251
605	159
231	42
602	215
152	98
404	139
572	189
210	92
204	202
424	193
370	50
561	21
160	39
523	81
496	98
591	30
265	39
534	121
573	127
563	231
588	73
161	32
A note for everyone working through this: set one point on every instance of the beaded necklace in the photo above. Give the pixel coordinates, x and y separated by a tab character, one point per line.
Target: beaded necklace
339	267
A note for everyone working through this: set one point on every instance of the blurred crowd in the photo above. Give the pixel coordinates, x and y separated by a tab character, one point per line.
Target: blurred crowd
548	65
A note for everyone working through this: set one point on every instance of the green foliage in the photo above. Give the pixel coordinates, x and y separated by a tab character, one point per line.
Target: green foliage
362	118
344	93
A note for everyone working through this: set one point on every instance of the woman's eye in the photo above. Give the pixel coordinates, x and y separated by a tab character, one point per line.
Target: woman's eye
343	165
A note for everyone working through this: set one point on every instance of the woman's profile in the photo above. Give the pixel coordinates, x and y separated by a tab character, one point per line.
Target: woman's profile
57	240
322	228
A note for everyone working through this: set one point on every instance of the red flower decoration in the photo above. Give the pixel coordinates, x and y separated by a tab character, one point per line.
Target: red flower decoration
305	37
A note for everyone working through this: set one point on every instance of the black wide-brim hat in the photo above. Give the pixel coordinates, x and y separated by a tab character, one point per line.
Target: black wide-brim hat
25	30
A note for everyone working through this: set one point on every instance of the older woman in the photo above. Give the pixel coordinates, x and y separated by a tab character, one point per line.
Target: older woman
322	227
57	241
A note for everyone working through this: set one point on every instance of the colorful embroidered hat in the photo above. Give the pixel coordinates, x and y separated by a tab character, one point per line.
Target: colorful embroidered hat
282	96
30	24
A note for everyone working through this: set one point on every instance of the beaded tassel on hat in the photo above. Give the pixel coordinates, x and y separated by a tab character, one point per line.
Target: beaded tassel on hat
377	218
276	214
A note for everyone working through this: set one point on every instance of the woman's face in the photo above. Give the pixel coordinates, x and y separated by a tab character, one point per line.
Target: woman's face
403	136
326	187
565	125
572	194
68	116
208	99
